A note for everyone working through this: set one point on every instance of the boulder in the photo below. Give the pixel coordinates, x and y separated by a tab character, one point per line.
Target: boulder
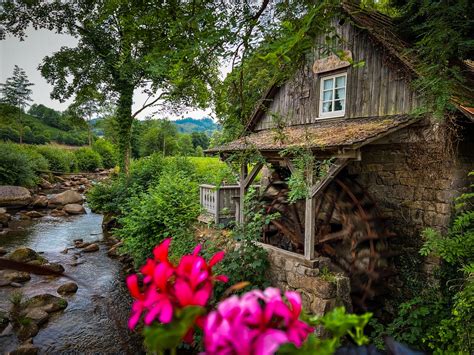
24	255
81	245
14	196
45	184
56	267
37	315
65	198
58	213
27	330
91	248
3	210
34	214
9	276
4	218
3	251
25	349
113	251
74	208
40	201
67	288
45	302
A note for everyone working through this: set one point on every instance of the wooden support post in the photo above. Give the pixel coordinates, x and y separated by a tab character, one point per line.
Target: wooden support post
243	177
246	180
309	220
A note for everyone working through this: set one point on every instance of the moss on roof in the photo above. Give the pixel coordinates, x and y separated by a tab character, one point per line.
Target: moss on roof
326	134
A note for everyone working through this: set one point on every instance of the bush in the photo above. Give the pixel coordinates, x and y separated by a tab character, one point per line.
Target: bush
87	159
146	171
59	159
212	171
110	196
19	165
167	210
107	152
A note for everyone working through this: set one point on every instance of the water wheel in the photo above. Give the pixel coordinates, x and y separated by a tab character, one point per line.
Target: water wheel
349	230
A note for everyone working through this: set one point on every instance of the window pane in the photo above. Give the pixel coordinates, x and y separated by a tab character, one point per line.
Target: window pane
340	94
340	81
327	95
327	84
327	107
338	105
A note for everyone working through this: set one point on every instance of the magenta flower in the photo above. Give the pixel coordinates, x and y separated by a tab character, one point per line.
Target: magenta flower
256	323
168	288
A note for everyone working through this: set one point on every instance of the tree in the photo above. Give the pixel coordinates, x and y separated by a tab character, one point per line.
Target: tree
47	115
16	92
86	108
200	139
168	49
185	145
159	136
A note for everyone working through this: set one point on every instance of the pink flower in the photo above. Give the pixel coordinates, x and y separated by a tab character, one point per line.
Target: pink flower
168	288
256	323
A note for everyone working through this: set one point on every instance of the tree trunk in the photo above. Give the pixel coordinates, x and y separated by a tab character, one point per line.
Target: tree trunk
125	120
89	132
21	125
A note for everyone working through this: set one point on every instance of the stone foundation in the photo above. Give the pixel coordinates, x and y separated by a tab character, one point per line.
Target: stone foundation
321	290
414	180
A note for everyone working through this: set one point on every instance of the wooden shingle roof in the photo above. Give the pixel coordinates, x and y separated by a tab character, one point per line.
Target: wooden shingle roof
320	136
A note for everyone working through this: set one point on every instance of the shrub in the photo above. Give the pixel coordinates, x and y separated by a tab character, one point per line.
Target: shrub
87	159
146	171
212	171
167	210
110	196
106	151
59	159
16	168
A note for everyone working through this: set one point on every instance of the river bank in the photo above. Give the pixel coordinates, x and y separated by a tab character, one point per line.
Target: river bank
95	319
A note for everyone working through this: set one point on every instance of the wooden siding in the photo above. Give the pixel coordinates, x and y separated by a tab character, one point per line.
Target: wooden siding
380	87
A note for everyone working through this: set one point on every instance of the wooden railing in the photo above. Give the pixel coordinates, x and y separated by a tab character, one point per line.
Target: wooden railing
219	203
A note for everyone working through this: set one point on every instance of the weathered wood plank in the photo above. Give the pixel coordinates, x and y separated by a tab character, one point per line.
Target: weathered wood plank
309	225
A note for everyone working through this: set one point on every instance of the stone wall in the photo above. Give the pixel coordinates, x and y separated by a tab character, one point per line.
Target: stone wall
320	291
414	180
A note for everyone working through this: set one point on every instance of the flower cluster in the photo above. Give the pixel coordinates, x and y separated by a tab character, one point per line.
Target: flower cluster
258	322
168	288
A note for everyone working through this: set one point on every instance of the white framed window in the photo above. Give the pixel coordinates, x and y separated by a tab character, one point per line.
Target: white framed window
332	99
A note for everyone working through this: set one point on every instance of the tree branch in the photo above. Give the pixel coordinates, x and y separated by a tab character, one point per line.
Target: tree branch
146	105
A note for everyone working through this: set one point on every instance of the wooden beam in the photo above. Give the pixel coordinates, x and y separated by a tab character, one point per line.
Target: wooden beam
309	221
290	165
253	174
338	165
243	177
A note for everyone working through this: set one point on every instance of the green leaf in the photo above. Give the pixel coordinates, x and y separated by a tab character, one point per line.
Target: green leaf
160	337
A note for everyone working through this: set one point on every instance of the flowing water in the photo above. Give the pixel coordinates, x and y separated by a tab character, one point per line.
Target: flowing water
95	320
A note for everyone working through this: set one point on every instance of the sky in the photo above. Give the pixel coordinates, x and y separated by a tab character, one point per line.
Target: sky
28	54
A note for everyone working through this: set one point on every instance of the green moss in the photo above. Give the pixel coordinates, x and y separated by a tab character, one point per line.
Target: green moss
326	275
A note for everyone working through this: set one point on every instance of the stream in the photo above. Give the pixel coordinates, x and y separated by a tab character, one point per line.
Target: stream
95	320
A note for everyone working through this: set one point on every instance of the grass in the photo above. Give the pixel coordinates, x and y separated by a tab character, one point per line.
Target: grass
326	275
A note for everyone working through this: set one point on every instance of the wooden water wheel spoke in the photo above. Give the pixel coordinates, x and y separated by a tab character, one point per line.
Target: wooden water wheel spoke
294	238
349	230
336	236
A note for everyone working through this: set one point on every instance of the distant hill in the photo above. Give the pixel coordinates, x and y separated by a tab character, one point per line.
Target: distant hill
189	125
36	130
